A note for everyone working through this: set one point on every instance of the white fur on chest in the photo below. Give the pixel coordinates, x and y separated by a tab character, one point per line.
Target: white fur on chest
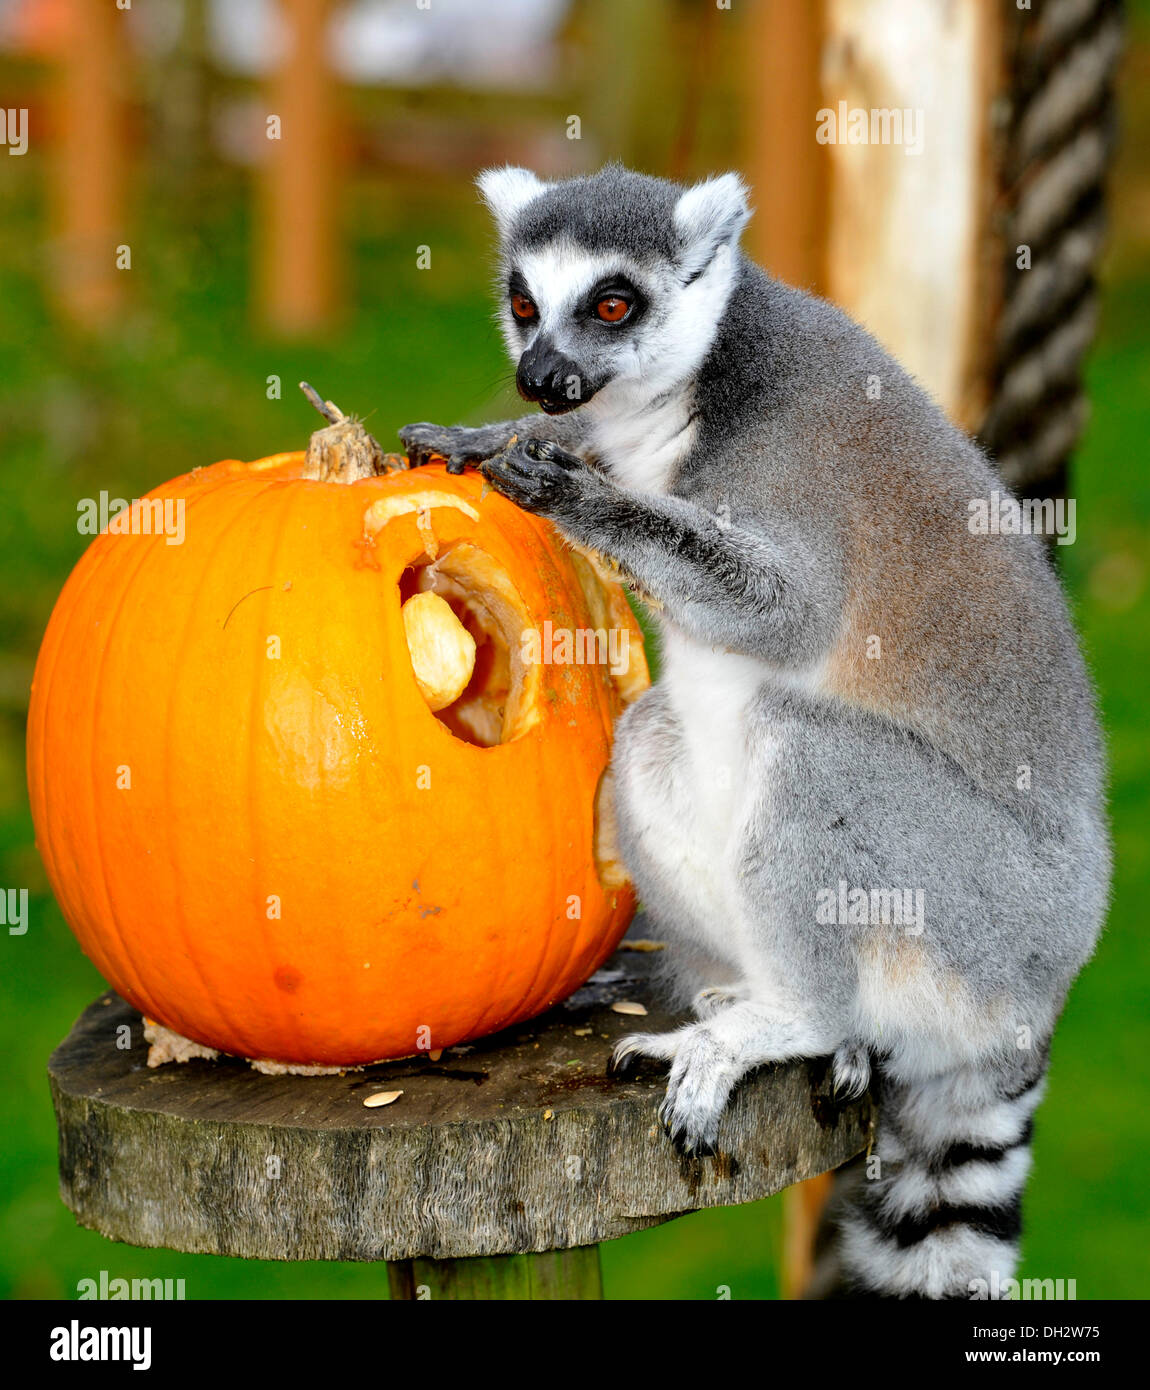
711	691
643	446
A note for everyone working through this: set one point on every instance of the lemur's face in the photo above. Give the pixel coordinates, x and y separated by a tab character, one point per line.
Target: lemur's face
615	279
576	320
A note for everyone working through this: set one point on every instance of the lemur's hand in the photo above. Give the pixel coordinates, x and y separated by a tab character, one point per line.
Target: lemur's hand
458	444
539	477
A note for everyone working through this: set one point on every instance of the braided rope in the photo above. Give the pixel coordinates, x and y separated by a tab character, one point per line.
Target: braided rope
1057	142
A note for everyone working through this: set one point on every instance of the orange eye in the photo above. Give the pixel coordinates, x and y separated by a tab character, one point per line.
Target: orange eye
522	307
612	309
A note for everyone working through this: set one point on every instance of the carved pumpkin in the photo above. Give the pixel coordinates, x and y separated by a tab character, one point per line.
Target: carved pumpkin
294	811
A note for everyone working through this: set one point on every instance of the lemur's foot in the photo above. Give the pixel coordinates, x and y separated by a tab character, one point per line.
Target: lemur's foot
709	1058
703	1073
458	444
538	476
715	998
851	1070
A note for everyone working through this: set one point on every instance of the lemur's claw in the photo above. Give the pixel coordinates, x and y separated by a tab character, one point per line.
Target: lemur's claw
623	1059
690	1119
459	445
547	451
536	475
688	1142
851	1071
419	443
690	1145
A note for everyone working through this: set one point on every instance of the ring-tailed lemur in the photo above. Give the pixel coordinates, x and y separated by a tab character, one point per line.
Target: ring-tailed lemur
865	703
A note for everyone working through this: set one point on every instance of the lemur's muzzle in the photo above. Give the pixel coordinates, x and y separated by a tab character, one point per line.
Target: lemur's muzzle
544	375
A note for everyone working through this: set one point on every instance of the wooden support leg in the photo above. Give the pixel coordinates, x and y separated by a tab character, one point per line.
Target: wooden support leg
554	1274
802	1207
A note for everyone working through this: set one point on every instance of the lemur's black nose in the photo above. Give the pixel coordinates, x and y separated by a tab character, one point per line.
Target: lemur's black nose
545	375
532	383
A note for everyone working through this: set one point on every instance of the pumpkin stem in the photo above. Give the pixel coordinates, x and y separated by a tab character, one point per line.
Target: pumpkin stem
344	452
331	413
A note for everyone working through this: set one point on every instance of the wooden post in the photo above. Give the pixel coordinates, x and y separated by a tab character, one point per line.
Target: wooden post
89	171
908	216
853	218
494	1175
297	242
555	1274
802	1210
788	170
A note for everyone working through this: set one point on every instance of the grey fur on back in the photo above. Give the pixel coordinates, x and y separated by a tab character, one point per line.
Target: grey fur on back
863	704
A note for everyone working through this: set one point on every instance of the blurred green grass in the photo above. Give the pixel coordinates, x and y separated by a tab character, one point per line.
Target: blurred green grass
183	382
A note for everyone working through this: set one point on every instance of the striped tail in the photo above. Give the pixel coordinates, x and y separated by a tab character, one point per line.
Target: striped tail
934	1210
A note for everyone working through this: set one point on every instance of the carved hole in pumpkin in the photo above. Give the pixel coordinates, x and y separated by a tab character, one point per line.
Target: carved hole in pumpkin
501	700
605	836
609	609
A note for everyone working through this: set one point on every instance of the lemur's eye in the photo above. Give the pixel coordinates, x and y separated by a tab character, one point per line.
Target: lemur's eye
613	309
522	307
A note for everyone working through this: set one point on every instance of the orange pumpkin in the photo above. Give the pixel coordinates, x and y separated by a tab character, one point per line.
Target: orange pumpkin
251	817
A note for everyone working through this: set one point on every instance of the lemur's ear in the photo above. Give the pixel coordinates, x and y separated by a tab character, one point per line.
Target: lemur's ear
506	191
710	215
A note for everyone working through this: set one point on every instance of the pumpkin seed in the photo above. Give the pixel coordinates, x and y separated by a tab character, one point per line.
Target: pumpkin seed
381	1098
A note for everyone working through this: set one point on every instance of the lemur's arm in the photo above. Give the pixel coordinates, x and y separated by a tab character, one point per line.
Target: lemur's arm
461	444
723	585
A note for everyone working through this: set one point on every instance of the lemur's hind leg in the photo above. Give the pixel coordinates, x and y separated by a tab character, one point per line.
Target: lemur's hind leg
715	998
710	1057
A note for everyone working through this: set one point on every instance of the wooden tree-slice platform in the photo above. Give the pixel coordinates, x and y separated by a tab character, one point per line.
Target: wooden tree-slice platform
517	1143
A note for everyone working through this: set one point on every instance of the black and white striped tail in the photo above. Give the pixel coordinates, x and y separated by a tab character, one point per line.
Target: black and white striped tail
935	1209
